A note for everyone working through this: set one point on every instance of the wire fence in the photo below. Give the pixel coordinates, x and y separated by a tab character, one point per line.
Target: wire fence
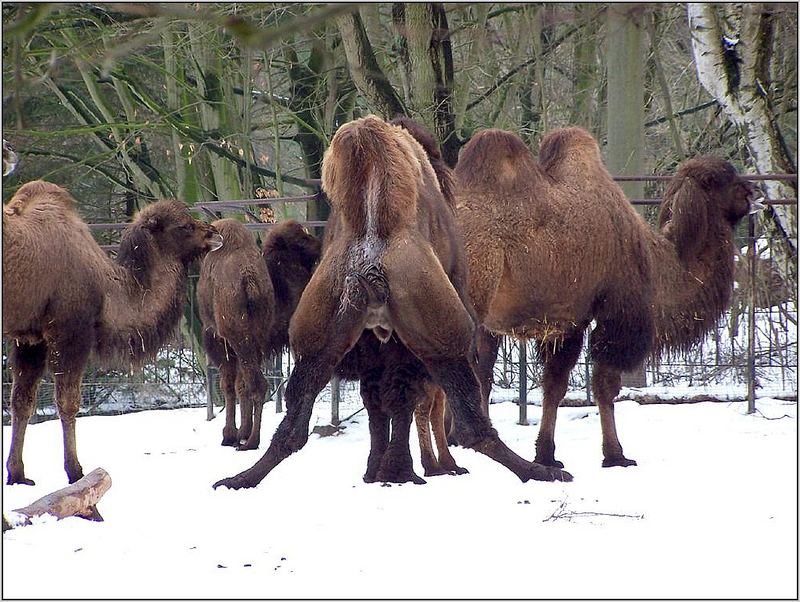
753	350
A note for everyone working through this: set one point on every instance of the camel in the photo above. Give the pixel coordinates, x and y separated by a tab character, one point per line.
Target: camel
245	309
554	245
64	299
382	307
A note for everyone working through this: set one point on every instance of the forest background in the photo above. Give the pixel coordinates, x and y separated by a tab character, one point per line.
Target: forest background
125	103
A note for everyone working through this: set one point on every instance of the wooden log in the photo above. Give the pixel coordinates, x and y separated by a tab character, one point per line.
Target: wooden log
78	499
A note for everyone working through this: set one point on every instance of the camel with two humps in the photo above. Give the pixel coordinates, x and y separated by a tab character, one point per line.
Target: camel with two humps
246	297
65	301
382	292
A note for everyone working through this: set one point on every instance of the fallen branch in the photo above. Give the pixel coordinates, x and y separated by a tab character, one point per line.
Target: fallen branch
562	512
78	499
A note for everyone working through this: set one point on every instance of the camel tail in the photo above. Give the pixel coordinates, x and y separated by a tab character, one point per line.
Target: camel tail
370	174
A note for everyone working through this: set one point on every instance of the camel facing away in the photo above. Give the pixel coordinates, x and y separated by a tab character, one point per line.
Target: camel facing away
245	308
382	307
554	244
64	299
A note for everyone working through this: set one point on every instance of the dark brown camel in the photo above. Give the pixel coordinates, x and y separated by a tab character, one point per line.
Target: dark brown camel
381	290
554	244
64	299
245	309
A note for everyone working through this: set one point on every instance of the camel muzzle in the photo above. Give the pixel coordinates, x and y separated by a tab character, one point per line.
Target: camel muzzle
215	241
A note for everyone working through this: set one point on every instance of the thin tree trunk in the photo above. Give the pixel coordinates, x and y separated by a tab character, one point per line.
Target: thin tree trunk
732	62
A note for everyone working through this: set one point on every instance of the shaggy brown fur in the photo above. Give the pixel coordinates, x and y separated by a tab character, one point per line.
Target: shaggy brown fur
382	271
554	245
245	307
63	299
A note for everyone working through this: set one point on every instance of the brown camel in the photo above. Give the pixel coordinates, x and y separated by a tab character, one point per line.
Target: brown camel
554	244
381	306
64	299
245	309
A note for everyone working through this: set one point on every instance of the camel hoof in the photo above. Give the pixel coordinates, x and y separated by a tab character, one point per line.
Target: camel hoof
623	461
247	446
237	482
551	462
230	441
400	477
19	481
459	470
540	472
435	472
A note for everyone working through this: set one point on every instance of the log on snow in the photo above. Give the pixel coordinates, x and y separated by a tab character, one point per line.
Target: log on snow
78	499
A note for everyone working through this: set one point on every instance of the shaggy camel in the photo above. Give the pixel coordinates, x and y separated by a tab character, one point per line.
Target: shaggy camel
63	299
555	244
245	308
383	290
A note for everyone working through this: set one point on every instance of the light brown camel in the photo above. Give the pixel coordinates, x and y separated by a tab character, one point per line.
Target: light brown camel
554	244
64	299
380	291
245	310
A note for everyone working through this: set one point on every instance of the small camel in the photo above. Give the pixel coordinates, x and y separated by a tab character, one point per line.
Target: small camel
382	289
64	299
554	244
245	309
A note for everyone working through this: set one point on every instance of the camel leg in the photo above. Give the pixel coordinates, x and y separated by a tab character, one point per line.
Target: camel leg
308	378
27	366
227	384
422	419
400	390
446	460
558	364
378	422
433	324
606	383
251	387
487	344
67	368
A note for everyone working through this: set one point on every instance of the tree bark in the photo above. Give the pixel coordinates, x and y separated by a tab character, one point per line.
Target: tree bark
78	499
626	110
368	77
732	58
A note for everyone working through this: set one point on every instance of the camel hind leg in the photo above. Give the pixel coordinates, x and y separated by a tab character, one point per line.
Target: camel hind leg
251	386
437	416
27	363
223	356
430	414
378	422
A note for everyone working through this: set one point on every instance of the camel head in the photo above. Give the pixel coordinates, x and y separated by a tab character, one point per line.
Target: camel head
234	233
165	229
9	158
706	198
292	239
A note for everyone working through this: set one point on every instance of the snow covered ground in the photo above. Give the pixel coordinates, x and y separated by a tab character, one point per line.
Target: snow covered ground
711	511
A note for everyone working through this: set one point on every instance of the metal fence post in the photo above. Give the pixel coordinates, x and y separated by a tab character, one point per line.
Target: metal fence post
209	393
523	382
335	401
751	317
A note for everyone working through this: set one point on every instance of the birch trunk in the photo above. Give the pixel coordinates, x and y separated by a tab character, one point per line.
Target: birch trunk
731	55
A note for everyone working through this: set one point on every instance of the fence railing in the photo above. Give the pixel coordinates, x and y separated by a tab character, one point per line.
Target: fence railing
749	360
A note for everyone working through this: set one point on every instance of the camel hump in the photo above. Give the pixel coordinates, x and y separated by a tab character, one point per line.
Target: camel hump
370	173
565	150
40	193
493	158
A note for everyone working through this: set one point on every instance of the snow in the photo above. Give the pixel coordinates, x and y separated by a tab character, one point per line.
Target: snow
711	511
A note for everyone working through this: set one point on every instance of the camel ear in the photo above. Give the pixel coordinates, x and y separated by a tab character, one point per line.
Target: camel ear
684	217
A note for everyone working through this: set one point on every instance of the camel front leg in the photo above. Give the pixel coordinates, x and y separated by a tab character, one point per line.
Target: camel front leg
27	364
558	363
378	422
227	384
422	419
68	401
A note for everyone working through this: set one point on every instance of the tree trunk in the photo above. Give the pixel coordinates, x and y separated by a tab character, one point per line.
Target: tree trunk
625	122
733	61
78	499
